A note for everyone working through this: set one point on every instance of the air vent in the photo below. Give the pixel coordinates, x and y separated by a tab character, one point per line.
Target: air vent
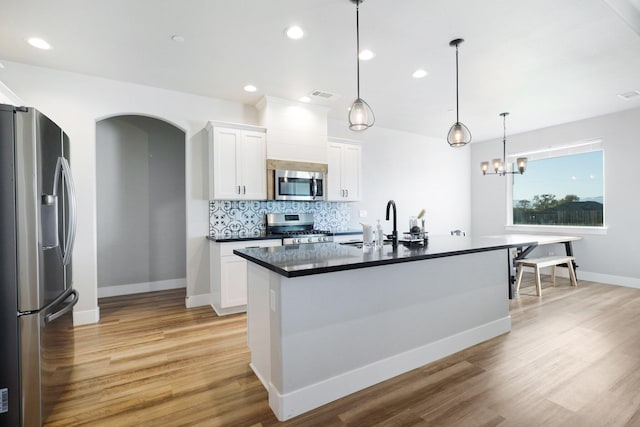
627	96
322	94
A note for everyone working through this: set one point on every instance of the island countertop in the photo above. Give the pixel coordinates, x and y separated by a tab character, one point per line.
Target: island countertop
318	258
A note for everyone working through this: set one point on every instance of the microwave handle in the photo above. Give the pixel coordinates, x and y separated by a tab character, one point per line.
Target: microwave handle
315	187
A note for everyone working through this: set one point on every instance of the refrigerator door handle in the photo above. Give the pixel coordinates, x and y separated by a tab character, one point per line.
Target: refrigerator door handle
62	168
68	307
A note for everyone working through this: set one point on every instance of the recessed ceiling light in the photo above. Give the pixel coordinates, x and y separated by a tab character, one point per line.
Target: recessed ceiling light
1	65
177	38
39	43
366	55
419	73
304	99
250	88
294	32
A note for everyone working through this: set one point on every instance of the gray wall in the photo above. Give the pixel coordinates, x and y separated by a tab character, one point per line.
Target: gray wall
610	257
140	179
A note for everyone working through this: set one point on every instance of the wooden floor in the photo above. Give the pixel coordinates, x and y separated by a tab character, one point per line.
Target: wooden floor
571	359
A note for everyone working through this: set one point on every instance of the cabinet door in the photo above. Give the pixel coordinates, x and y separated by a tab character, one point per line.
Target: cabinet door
226	176
254	166
351	160
233	292
335	190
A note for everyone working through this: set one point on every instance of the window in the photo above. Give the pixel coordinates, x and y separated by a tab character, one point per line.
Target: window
562	187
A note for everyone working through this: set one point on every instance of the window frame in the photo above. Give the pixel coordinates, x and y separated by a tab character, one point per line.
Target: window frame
578	147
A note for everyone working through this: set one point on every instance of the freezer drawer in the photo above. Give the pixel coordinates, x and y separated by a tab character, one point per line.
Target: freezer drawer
46	357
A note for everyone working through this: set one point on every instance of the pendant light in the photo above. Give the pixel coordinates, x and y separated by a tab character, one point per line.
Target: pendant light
459	134
499	165
360	114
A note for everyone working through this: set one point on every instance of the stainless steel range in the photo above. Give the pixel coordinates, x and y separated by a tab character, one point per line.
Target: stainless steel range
296	229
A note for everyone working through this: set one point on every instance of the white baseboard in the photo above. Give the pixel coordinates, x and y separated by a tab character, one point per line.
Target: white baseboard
86	317
229	310
286	406
607	279
138	288
197	300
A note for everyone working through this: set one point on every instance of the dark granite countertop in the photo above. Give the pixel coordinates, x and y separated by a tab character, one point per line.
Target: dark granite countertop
317	258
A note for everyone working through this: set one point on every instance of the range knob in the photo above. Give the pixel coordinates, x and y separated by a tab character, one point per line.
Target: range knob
310	240
298	240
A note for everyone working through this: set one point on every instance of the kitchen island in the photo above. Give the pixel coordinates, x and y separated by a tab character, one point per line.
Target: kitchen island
326	320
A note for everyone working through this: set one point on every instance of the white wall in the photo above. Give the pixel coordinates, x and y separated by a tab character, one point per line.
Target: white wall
76	102
609	258
414	170
140	205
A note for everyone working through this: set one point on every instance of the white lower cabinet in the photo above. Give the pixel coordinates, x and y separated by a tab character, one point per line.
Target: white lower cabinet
229	275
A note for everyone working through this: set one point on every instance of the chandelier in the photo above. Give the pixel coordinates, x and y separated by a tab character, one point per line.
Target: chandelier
499	165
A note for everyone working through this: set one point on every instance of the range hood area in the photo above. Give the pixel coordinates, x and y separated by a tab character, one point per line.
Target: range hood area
296	137
296	132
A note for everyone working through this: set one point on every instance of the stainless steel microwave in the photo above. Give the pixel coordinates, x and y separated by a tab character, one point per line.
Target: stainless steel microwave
299	185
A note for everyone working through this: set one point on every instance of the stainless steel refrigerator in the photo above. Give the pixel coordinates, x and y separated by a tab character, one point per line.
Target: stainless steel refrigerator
37	231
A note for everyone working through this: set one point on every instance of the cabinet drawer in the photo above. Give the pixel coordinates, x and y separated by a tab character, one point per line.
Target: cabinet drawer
227	249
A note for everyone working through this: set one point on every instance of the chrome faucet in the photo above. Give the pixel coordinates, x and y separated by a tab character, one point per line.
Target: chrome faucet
394	234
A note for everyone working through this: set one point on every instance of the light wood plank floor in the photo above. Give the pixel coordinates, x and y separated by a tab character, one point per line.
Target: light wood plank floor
572	359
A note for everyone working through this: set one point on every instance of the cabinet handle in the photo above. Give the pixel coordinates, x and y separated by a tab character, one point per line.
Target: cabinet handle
347	192
244	189
238	191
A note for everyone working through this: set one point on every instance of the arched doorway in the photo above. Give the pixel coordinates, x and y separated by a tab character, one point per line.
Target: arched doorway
140	201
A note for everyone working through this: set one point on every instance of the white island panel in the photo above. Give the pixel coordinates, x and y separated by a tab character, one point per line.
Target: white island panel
335	333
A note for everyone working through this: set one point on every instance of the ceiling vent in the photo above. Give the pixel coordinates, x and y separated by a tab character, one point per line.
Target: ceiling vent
324	95
627	96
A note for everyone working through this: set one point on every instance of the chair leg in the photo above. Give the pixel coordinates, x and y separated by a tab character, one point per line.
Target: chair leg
538	284
553	275
572	274
520	270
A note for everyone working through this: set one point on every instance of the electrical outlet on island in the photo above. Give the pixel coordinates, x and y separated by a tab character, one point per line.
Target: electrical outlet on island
363	213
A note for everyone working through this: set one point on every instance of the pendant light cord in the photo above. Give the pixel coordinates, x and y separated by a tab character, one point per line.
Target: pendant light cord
457	100
358	44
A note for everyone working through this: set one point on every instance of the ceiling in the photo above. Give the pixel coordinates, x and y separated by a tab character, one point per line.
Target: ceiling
545	61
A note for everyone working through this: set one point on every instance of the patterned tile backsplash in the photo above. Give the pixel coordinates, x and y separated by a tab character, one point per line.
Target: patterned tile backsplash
247	218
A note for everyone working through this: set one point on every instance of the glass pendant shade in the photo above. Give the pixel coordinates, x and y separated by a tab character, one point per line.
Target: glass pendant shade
360	115
484	166
459	135
522	164
497	165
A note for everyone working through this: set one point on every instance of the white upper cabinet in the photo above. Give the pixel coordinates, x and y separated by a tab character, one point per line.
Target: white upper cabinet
345	170
237	162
